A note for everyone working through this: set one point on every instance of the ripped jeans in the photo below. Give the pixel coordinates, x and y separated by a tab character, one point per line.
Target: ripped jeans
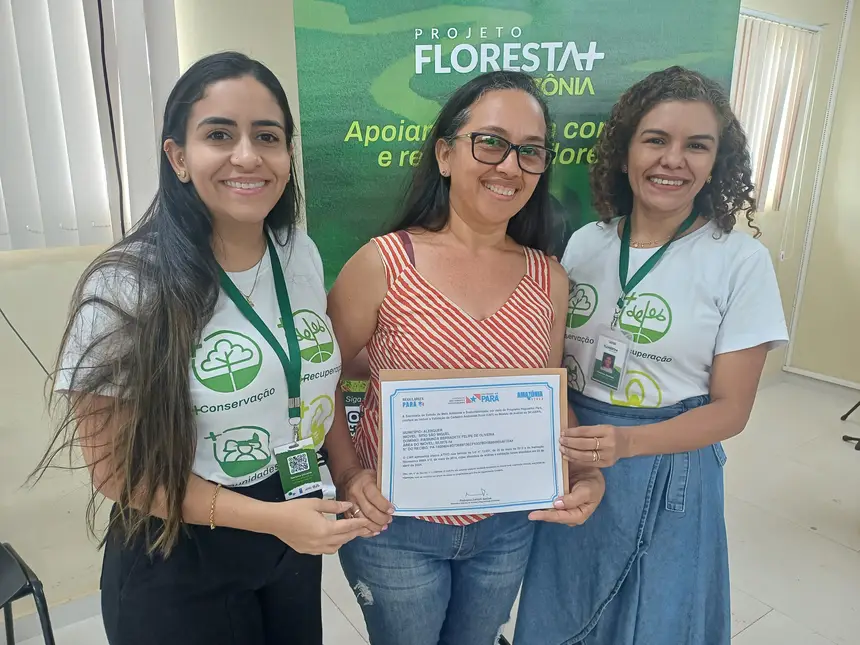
420	583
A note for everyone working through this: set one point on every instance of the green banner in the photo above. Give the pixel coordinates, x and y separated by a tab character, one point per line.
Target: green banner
374	73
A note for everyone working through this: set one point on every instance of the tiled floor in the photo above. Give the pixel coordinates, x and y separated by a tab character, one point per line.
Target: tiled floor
793	511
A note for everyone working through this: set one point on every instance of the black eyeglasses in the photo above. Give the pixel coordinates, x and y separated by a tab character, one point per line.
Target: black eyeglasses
492	149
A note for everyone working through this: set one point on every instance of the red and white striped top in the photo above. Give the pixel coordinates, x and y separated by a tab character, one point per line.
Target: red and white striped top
419	328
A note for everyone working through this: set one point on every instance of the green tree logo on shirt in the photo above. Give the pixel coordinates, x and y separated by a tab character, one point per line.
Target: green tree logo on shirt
647	317
227	361
638	390
581	305
575	376
316	342
241	451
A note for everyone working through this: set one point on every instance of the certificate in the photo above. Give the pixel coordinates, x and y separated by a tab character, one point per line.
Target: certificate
470	442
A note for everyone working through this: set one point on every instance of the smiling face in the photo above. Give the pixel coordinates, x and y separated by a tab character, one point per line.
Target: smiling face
491	194
236	152
671	156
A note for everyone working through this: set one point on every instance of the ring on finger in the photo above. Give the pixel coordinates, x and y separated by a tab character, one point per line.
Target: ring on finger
356	512
597	446
595	455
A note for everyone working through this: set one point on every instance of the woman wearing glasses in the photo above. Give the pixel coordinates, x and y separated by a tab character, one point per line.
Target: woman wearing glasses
463	281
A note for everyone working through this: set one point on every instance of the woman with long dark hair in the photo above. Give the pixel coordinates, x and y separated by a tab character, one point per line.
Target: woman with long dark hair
685	308
199	371
462	281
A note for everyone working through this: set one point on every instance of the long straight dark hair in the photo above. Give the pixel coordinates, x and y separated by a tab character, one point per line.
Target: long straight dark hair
426	204
157	291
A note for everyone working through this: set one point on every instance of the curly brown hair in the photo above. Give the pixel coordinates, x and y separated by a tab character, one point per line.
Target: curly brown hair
730	190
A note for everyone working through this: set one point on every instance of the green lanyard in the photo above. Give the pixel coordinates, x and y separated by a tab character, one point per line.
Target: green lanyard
292	368
645	269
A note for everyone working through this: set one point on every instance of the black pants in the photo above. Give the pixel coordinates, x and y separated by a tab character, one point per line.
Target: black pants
221	587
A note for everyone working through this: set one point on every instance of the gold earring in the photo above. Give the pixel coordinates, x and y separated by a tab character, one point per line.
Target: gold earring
182	175
709	179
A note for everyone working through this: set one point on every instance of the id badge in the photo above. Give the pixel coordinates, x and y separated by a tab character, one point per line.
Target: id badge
612	350
299	468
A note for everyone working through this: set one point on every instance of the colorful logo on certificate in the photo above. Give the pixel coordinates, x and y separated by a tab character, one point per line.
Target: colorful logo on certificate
531	395
476	399
483	398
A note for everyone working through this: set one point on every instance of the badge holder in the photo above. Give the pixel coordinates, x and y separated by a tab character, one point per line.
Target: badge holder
612	349
298	467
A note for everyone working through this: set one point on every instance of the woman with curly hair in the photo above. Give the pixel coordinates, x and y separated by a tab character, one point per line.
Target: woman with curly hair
672	314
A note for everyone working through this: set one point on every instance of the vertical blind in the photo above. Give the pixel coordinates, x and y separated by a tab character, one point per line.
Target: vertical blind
59	183
774	71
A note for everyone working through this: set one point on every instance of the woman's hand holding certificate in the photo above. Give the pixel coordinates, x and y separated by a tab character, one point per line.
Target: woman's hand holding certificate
359	487
586	491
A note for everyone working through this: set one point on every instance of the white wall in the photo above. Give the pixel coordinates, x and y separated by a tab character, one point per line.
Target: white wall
45	524
825	340
828	14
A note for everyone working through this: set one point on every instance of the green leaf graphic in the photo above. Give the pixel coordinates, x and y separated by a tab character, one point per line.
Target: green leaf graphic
226	355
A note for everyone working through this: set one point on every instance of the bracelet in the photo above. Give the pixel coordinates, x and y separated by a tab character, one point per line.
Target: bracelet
212	508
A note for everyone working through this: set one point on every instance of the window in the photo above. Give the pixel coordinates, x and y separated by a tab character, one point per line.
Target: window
774	70
59	184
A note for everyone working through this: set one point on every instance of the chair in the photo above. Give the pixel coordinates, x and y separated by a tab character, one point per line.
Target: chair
17	580
846	437
851	411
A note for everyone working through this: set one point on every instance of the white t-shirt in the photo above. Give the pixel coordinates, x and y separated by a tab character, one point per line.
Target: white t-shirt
711	293
238	387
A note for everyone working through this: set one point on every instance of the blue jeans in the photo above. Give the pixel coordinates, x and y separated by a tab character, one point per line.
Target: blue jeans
650	567
420	583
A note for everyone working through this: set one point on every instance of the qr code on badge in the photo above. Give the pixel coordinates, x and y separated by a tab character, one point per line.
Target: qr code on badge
298	463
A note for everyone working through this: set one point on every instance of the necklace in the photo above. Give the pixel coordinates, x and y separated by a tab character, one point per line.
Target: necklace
645	245
650	243
254	286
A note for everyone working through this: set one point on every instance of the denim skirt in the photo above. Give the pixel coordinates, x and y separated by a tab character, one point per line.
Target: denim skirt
650	567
